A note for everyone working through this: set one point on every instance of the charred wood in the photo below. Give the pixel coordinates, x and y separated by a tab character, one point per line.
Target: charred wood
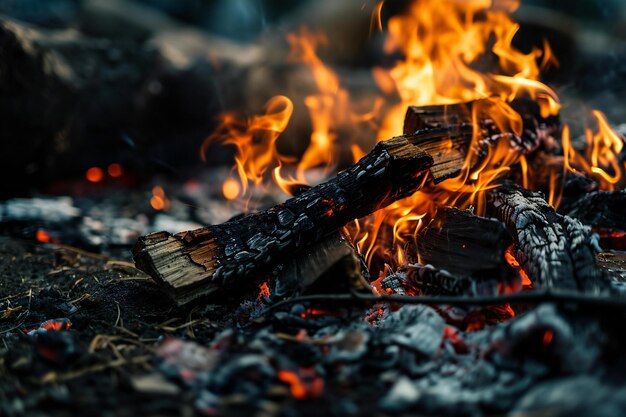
556	251
603	209
537	131
331	265
191	264
466	245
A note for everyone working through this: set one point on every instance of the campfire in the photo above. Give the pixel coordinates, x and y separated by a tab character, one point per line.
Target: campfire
442	233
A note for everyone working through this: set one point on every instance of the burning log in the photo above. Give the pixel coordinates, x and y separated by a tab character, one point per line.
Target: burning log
466	245
555	250
191	264
536	130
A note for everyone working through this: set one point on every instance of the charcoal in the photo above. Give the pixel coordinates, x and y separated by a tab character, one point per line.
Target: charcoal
573	396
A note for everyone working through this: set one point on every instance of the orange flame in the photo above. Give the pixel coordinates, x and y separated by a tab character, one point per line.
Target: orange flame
255	141
442	43
600	158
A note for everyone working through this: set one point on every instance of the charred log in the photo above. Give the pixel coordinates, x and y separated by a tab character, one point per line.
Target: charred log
556	251
194	263
466	245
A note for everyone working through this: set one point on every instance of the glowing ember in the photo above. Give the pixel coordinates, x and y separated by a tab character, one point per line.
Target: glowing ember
302	389
42	236
94	174
159	201
115	170
548	335
231	189
264	291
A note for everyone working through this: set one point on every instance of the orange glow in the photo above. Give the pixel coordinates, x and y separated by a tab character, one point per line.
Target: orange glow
159	201
94	174
42	236
231	189
254	139
115	170
600	158
300	389
548	335
513	263
264	291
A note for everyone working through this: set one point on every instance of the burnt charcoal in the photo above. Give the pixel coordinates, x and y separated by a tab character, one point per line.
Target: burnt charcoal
58	346
573	396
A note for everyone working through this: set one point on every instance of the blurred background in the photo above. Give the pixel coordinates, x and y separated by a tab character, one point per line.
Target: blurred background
139	83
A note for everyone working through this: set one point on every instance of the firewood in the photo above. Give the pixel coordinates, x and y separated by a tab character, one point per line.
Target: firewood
191	264
603	209
466	245
330	264
556	251
536	131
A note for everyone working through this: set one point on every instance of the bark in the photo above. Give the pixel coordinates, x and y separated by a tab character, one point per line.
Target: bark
556	251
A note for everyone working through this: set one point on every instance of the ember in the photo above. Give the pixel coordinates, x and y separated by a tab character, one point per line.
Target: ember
401	207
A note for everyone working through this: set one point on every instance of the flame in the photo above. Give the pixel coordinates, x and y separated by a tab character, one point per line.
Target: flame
443	43
600	158
254	139
326	108
440	40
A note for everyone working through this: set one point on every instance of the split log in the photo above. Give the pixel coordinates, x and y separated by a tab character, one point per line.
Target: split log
536	132
191	264
331	265
466	245
556	251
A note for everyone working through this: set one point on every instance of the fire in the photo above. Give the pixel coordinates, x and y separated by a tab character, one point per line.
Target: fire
442	44
601	155
254	139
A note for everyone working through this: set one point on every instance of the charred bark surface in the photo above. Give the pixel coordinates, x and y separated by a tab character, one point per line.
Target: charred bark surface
555	250
466	245
600	209
199	262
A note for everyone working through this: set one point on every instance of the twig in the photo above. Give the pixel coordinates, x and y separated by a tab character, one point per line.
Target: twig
539	296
